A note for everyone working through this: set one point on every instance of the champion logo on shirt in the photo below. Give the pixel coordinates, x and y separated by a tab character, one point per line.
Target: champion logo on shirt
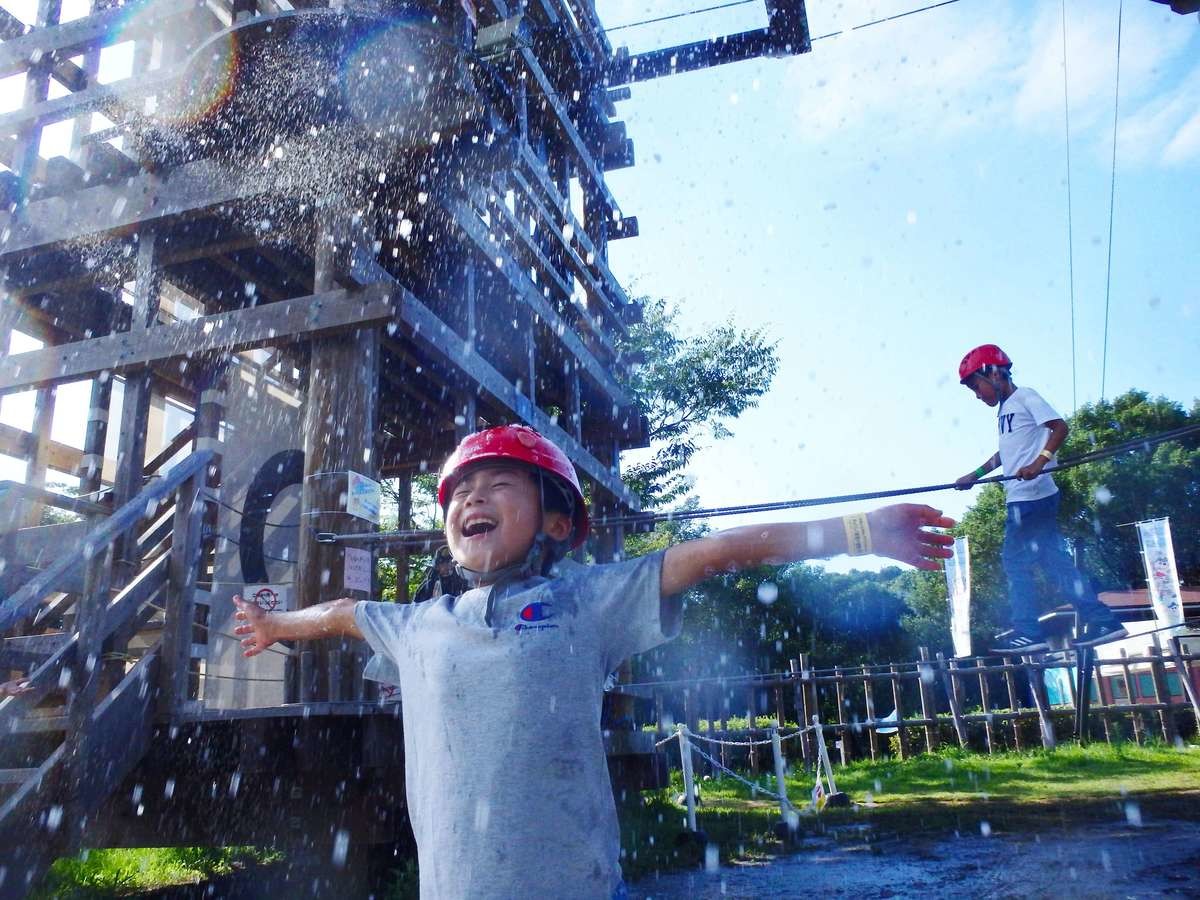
534	617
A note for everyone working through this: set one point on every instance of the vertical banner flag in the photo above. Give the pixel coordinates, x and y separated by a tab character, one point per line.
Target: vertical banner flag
1158	554
958	582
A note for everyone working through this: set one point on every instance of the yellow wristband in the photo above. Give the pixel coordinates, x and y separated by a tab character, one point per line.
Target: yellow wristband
1047	454
858	534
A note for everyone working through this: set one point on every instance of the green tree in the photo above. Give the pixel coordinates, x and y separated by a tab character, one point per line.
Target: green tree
688	387
1099	499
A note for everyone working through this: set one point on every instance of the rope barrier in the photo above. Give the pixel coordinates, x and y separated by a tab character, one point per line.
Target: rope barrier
756	788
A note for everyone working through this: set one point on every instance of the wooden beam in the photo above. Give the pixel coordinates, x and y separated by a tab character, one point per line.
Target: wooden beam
477	231
60	457
100	29
423	325
244	329
120	206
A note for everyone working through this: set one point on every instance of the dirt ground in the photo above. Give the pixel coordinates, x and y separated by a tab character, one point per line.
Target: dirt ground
1129	860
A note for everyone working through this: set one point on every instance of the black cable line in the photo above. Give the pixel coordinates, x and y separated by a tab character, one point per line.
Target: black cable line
678	15
911	12
1083	459
236	511
237	543
651	518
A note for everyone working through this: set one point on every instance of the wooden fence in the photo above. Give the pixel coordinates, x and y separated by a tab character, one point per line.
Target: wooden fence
900	709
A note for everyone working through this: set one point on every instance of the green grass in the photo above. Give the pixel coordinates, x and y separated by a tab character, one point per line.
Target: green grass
113	873
948	791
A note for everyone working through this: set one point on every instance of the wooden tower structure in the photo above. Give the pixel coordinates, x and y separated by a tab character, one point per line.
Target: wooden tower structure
284	251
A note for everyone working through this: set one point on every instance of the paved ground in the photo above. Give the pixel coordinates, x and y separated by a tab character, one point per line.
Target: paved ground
1102	861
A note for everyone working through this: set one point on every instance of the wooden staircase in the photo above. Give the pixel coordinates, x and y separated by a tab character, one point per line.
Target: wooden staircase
93	701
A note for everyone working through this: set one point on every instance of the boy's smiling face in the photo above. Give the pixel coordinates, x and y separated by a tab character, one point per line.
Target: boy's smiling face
494	513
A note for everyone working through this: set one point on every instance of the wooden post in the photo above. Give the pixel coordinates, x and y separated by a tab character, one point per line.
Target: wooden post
135	404
751	711
928	705
1104	707
1170	729
339	437
1135	718
798	688
659	715
91	464
690	715
843	733
1184	671
985	701
901	733
1014	704
1037	686
960	728
180	619
869	699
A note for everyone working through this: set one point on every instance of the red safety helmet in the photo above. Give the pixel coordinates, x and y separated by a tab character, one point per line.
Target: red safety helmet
515	443
982	356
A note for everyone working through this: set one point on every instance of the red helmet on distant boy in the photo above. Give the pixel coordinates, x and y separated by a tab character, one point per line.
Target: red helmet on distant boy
980	358
521	444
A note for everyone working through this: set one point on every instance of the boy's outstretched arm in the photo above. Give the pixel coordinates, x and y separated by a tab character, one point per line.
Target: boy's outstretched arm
899	532
261	629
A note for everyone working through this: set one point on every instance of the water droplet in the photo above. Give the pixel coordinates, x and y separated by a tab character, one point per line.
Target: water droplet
768	593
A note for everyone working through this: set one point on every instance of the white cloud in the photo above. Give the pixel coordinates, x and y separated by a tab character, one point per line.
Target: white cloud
937	74
1184	147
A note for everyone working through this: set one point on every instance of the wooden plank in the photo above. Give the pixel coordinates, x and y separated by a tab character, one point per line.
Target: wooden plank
192	187
100	29
531	293
237	330
430	330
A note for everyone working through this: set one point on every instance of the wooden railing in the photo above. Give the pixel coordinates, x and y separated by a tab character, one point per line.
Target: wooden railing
906	708
109	710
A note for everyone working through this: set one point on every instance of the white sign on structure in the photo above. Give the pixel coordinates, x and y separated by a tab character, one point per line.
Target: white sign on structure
268	597
1158	555
363	497
958	583
357	570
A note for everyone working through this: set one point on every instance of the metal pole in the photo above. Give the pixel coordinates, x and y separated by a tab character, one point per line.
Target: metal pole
777	748
685	755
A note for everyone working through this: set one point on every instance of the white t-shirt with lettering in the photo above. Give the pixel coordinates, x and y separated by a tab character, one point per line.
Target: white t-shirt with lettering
1022	419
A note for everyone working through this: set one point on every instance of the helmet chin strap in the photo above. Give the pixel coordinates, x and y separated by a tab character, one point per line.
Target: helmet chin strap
543	553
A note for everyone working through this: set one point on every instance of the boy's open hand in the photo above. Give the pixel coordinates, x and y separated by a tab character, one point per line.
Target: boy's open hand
254	622
901	532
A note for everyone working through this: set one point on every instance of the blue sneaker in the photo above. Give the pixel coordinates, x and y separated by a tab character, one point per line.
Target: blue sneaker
1018	643
1097	633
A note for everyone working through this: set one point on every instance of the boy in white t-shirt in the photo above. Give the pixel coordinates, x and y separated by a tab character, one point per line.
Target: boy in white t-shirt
1030	434
501	687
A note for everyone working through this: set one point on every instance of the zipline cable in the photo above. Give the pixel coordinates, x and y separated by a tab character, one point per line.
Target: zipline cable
1112	196
1070	218
651	518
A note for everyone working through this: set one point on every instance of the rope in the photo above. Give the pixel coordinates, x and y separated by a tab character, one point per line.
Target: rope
1112	194
1070	218
238	512
755	788
752	743
651	518
1083	459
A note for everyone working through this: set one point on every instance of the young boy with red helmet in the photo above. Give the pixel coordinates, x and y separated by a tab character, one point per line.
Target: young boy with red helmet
1030	434
501	687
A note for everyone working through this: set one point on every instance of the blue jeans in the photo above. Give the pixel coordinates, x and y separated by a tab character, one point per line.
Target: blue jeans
1032	541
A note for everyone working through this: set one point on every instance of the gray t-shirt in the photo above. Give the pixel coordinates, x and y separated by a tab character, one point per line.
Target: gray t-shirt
506	777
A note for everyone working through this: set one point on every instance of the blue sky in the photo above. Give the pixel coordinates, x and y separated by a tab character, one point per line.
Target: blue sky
889	200
899	195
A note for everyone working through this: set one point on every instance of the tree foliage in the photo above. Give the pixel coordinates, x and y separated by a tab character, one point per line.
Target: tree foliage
690	387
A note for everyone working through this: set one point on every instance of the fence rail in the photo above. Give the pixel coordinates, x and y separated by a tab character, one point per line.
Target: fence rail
979	702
